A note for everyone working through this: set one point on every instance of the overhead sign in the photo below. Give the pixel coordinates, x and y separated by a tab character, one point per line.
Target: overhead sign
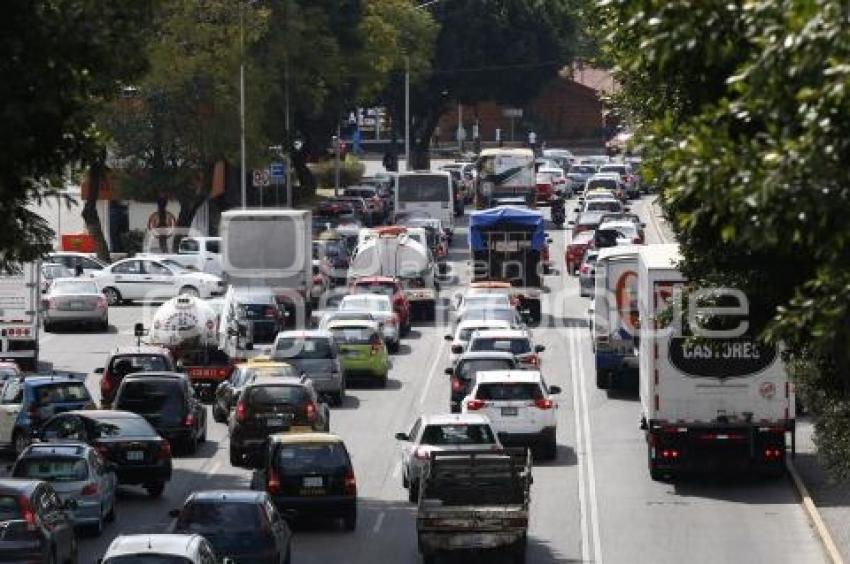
261	178
277	171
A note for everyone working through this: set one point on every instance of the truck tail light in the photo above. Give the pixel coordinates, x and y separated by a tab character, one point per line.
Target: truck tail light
475	404
350	483
670	454
273	482
773	453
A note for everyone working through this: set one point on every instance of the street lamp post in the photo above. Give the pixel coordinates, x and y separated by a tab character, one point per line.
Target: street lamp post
244	183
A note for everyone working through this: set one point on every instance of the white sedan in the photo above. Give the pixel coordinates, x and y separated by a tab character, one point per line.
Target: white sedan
148	279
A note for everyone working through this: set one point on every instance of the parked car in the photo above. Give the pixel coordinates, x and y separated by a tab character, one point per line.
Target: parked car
361	349
309	475
77	263
429	433
241	525
168	402
74	301
314	354
140	455
381	309
50	272
519	406
160	549
272	405
228	392
37	526
389	287
129	360
147	279
518	342
575	250
77	473
26	403
462	374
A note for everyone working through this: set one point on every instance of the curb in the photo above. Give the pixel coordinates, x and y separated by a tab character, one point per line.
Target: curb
814	515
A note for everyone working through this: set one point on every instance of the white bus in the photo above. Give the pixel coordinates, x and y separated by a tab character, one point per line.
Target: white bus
425	194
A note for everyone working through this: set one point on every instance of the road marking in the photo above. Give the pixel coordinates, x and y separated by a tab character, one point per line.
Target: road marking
214	468
591	474
437	359
397	469
378	522
582	499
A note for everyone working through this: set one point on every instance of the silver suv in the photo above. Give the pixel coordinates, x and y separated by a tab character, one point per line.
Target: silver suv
314	354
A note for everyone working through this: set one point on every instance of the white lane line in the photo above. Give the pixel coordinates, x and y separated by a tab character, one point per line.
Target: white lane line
427	386
582	499
214	468
397	469
378	522
591	475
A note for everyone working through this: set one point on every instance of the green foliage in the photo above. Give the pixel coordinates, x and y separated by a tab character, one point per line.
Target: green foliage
60	59
744	112
351	171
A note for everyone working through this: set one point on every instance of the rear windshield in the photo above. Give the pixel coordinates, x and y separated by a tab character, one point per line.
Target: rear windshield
148	558
306	348
9	508
583	169
273	371
501	344
466	333
200	517
124	427
363	302
263	309
603	205
496	314
300	458
161	397
509	391
468	369
52	469
64	392
383	288
354	335
138	363
458	435
607	237
274	395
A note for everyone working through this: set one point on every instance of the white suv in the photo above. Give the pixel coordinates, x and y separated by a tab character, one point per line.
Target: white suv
519	406
518	342
190	549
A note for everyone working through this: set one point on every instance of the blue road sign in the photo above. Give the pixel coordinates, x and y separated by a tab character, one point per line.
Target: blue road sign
277	171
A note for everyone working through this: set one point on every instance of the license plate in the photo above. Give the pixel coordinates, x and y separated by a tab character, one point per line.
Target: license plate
275	422
312	491
135	455
509	411
313	482
78	305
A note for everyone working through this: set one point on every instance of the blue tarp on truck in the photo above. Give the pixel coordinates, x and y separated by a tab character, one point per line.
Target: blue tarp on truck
506	218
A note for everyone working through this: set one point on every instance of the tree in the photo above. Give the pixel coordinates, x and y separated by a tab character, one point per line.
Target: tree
61	59
745	127
487	50
182	118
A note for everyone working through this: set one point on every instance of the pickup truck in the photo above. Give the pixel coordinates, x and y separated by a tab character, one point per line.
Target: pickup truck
474	500
196	253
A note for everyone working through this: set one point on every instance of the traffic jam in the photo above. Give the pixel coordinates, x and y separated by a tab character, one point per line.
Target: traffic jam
267	334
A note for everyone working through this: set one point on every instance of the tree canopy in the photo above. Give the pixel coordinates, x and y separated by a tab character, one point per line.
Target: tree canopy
742	110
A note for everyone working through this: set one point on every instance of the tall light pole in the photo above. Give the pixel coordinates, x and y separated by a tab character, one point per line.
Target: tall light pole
288	146
407	113
244	183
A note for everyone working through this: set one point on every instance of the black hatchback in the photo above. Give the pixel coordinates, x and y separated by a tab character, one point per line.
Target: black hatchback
167	401
37	526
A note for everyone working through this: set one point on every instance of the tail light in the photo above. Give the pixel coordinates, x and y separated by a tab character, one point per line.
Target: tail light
773	453
273	482
670	454
270	312
27	513
164	449
89	489
101	302
310	411
534	360
456	384
544	404
240	411
422	453
350	483
189	420
105	385
475	404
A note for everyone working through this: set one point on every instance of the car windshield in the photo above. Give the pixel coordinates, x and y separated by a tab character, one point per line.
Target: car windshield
139	363
161	398
148	558
307	457
304	348
62	392
366	303
462	434
509	391
267	394
469	368
123	427
52	469
70	287
353	335
519	345
278	371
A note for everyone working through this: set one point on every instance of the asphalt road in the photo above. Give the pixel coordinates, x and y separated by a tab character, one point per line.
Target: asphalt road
595	503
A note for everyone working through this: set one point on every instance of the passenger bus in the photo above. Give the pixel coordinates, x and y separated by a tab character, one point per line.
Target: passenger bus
425	194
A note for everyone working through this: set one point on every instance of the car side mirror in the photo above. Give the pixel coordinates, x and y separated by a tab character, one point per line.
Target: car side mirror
99	370
457	349
448	337
402	437
449	371
554	390
539	348
174	513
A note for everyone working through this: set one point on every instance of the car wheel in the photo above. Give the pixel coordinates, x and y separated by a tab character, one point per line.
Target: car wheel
113	512
155	490
603	380
20	441
191	445
413	492
235	457
113	296
394	346
203	437
404	481
219	414
349	520
338	399
550	448
104	325
190	291
48	327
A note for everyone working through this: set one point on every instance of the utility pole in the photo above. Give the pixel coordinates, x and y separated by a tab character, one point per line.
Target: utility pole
288	146
243	169
407	113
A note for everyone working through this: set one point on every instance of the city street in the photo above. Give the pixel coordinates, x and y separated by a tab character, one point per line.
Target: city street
595	503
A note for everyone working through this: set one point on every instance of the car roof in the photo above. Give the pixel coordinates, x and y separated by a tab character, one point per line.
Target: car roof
305	438
103	414
587	234
617	223
141	349
484	295
503	333
495	323
173	544
490	284
494	376
237	496
366	296
175	376
306	333
262	361
374	279
455	418
43	379
353	323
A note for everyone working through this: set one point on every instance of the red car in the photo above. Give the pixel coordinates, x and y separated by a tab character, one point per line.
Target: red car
545	189
575	250
127	360
387	286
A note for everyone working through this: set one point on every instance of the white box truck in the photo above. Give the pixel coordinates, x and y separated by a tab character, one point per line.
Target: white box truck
613	315
707	404
20	301
271	248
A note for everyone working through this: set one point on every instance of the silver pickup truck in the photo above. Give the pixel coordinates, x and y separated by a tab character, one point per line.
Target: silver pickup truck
474	500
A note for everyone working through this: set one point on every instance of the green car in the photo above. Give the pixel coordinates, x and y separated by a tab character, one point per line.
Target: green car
362	351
